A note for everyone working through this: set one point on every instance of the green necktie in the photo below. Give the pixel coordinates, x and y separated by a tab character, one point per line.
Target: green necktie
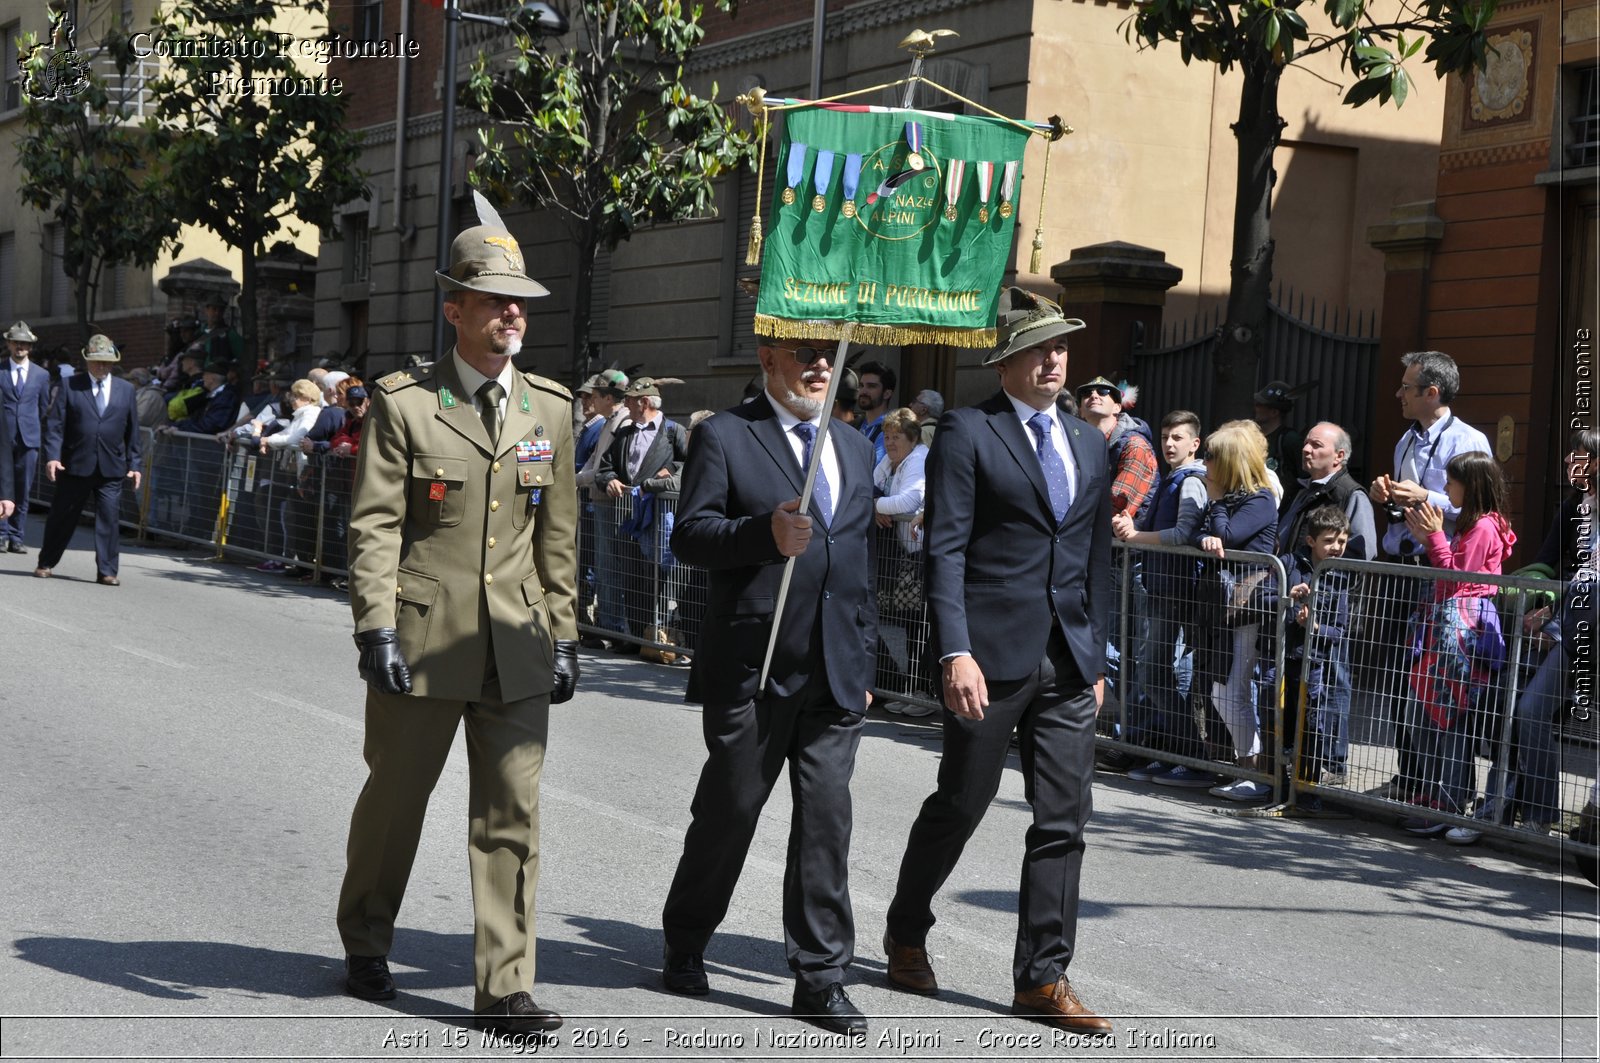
490	395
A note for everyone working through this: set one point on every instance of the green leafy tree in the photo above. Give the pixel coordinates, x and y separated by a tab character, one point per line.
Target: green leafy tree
1263	38
84	160
604	133
250	144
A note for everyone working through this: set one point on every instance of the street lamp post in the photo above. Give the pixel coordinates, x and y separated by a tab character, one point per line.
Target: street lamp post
539	19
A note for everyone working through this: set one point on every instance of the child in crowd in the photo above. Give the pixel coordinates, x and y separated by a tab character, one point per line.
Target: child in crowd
1177	506
1243	515
1314	630
1458	641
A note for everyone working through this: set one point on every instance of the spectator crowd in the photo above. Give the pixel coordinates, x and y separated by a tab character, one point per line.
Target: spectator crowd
1229	535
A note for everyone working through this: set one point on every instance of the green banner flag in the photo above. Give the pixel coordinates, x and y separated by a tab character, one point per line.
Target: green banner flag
897	221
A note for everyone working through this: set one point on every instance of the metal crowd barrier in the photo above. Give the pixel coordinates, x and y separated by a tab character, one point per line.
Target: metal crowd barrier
1488	738
284	506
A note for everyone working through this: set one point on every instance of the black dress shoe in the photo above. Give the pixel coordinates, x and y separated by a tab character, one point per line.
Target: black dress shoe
517	1015
368	977
594	642
830	1009
684	972
1116	761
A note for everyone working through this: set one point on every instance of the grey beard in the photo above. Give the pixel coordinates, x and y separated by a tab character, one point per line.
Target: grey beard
513	347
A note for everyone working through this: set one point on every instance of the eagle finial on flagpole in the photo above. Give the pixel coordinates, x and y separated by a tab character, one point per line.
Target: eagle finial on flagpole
921	42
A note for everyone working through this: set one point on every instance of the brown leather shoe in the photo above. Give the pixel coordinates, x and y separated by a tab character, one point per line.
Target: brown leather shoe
1058	1005
42	573
108	581
909	968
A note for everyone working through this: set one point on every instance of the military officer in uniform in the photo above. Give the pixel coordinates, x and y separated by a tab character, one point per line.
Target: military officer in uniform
463	572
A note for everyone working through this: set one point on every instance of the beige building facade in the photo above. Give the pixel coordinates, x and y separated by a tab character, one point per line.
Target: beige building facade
131	306
1151	162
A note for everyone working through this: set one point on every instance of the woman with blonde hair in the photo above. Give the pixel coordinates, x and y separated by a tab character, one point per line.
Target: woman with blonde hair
1242	515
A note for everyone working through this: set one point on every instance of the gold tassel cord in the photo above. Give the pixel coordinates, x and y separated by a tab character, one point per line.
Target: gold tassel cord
752	255
784	328
1037	259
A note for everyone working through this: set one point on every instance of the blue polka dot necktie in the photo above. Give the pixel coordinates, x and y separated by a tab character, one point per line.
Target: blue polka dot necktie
1055	471
821	496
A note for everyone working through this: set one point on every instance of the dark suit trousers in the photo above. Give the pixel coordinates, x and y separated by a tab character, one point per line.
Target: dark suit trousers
749	744
71	493
24	465
1053	713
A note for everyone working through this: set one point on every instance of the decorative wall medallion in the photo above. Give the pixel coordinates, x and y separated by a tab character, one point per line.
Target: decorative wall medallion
1500	91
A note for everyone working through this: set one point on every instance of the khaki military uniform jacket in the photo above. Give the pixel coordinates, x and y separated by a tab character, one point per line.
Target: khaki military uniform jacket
467	549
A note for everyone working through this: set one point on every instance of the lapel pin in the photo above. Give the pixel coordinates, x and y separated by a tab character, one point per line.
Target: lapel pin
526	407
447	401
538	429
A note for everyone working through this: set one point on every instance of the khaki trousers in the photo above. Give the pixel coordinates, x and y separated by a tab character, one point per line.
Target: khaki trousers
408	739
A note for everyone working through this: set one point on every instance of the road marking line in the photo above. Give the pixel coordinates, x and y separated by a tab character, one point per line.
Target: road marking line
313	710
41	620
165	662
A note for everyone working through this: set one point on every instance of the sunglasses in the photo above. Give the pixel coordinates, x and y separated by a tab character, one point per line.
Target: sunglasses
1103	392
808	355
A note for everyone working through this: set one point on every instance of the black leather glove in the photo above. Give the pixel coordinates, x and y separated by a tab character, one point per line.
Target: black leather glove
382	665
566	671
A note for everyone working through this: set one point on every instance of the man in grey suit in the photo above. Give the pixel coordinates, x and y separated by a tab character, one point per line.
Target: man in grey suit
1018	533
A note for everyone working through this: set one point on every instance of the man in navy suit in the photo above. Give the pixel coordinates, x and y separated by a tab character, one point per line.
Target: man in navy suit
1018	548
24	406
739	518
91	445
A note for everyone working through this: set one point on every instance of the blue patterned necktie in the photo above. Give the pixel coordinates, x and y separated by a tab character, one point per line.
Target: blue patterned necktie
821	496
1055	472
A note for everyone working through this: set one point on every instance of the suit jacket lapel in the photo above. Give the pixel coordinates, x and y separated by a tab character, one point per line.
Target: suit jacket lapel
460	418
770	434
1006	425
519	419
1079	437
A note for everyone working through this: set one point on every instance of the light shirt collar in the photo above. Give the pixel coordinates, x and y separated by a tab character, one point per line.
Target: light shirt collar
1027	413
472	380
786	416
1427	434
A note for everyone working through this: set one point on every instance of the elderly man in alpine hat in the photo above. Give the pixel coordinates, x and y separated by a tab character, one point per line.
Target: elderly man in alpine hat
463	572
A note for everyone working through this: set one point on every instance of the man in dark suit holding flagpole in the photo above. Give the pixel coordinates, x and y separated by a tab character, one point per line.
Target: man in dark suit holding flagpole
739	518
1018	534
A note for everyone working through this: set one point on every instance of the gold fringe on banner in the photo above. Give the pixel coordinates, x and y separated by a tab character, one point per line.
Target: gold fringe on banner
785	328
752	255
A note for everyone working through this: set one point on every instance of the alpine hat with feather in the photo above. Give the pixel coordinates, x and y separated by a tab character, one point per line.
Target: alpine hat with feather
486	258
1027	320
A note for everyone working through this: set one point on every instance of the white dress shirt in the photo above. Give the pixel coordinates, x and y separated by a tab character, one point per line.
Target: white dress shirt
830	460
1058	435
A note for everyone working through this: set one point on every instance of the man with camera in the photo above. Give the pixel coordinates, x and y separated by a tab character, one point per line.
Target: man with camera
1429	383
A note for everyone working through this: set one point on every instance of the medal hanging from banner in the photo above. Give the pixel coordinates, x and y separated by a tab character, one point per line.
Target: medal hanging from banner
821	179
955	177
850	182
1008	183
914	157
796	175
985	185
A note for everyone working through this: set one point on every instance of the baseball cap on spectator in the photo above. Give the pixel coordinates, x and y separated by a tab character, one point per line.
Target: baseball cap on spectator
849	387
220	366
1277	393
355	394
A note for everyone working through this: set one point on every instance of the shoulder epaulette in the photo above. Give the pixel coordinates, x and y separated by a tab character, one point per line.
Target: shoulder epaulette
406	377
544	383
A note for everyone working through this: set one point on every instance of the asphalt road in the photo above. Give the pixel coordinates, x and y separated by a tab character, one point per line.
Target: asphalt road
179	757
